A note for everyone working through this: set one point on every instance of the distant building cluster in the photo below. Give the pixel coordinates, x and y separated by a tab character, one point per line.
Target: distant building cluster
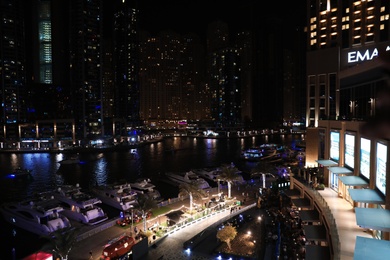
71	71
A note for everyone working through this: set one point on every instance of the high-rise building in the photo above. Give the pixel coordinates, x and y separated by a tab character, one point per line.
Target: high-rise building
225	87
47	60
86	30
108	87
224	76
244	45
341	36
160	77
217	36
194	100
13	89
45	42
127	102
348	44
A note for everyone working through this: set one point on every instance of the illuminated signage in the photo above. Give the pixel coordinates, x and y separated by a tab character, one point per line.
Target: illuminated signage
381	161
349	150
356	56
365	150
335	145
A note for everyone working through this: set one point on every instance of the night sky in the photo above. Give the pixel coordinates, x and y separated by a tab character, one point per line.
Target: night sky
183	16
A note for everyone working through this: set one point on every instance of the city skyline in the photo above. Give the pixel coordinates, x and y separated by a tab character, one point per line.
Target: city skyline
105	83
195	16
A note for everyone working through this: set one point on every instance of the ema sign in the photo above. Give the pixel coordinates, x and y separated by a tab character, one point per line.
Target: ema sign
355	56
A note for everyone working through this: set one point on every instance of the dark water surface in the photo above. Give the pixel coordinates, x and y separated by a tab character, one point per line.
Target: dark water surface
173	154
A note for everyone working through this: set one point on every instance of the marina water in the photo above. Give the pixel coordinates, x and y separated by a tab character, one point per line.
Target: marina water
173	154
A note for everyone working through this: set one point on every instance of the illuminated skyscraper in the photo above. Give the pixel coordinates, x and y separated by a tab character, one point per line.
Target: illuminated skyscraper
86	30
341	36
126	63
160	76
12	68
45	42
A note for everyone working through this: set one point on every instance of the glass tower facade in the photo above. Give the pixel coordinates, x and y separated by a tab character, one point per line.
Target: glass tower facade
45	43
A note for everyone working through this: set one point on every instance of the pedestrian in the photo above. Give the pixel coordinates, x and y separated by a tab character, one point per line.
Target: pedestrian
90	255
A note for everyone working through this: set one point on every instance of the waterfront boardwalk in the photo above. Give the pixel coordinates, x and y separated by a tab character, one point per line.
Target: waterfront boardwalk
168	247
171	247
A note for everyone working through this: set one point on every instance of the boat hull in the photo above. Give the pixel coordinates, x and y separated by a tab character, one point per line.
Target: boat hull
33	225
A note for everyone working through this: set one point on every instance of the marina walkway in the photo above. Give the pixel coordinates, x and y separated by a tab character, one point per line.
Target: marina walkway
171	247
344	215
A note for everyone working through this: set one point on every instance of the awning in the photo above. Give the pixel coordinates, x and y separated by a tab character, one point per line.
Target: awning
301	202
315	232
353	181
317	252
309	215
377	219
327	163
371	248
339	170
366	196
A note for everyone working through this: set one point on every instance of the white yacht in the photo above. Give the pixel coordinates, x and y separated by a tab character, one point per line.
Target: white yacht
188	177
212	174
119	196
215	174
79	205
146	187
70	160
40	215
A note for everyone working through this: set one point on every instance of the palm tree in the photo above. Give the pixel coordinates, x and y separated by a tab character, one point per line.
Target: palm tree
263	166
145	204
192	190
229	173
227	234
61	241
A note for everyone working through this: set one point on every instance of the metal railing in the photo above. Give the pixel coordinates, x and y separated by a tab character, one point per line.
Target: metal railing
325	211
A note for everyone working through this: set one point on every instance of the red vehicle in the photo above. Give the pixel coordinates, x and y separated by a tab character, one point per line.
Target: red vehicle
119	249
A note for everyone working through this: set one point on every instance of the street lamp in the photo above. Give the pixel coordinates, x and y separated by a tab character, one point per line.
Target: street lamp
132	219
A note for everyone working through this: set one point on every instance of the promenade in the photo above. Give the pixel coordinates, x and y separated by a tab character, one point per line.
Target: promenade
168	247
171	246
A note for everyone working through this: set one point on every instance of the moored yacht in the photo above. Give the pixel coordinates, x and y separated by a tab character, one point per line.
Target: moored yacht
256	153
211	174
119	196
146	187
188	177
70	160
40	215
79	205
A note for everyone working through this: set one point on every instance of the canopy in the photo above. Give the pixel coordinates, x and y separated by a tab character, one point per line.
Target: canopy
377	219
327	163
371	248
339	170
353	181
366	196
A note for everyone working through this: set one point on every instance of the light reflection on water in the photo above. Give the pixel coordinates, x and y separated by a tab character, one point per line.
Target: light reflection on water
146	161
173	154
